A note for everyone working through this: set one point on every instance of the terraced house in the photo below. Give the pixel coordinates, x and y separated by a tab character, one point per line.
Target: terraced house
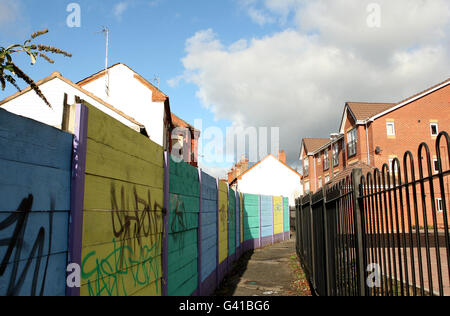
374	134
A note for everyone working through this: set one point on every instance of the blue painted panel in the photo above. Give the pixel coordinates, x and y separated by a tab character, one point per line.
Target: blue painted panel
266	216
35	175
209	226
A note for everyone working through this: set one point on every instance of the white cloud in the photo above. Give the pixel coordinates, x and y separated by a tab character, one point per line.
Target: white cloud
9	12
120	8
299	79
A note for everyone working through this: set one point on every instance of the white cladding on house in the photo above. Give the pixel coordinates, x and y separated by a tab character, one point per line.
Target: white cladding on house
272	177
30	105
129	95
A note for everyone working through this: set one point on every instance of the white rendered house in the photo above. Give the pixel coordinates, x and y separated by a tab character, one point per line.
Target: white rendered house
56	88
271	177
130	93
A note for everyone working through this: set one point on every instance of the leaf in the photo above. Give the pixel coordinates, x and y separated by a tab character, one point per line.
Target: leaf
13	46
32	56
2	82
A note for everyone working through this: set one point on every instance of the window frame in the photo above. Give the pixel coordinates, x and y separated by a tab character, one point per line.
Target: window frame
437	129
326	159
439	202
335	150
393	129
435	160
352	140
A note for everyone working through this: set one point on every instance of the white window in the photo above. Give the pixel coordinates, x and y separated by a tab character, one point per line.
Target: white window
435	165
326	160
320	183
306	166
351	143
335	155
391	161
439	205
390	127
319	159
327	179
434	129
307	188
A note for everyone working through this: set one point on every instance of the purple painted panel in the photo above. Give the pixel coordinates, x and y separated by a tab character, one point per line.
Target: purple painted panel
265	241
165	246
209	285
77	189
279	238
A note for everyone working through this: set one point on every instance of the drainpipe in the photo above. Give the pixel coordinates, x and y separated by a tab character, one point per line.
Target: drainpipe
367	139
315	174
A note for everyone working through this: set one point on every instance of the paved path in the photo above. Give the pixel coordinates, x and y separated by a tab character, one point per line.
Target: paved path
265	272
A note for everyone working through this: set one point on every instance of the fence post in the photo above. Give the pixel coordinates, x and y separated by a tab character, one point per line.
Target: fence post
165	246
359	231
77	191
327	241
313	250
199	263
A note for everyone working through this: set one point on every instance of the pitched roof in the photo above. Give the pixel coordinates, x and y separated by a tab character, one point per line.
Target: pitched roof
364	110
93	96
312	144
254	166
178	122
342	175
157	95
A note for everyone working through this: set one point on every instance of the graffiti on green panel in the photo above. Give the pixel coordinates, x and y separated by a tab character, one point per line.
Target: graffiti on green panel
111	273
131	262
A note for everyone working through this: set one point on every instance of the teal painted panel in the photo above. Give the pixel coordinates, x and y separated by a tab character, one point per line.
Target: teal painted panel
184	212
251	214
286	225
231	222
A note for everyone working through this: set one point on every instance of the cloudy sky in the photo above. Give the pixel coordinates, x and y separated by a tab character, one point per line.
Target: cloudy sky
290	64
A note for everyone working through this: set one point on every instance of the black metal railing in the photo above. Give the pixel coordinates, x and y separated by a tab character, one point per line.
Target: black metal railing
380	234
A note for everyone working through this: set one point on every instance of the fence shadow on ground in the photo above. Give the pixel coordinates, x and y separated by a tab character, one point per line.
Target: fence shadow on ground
231	281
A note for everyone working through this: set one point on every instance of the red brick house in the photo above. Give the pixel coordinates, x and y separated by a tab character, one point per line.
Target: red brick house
374	134
185	137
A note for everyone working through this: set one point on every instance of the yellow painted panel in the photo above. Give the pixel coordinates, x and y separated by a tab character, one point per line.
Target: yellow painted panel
277	215
106	194
122	268
223	222
107	130
108	162
122	220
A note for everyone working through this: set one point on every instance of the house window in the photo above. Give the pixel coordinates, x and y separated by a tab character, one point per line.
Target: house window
307	188
391	161
434	129
436	165
320	183
351	143
336	155
326	160
390	126
439	205
306	167
327	179
319	160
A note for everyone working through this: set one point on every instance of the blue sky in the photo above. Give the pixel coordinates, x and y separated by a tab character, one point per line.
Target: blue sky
285	63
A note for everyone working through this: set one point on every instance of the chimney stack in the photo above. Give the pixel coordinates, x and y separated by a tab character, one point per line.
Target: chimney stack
282	156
